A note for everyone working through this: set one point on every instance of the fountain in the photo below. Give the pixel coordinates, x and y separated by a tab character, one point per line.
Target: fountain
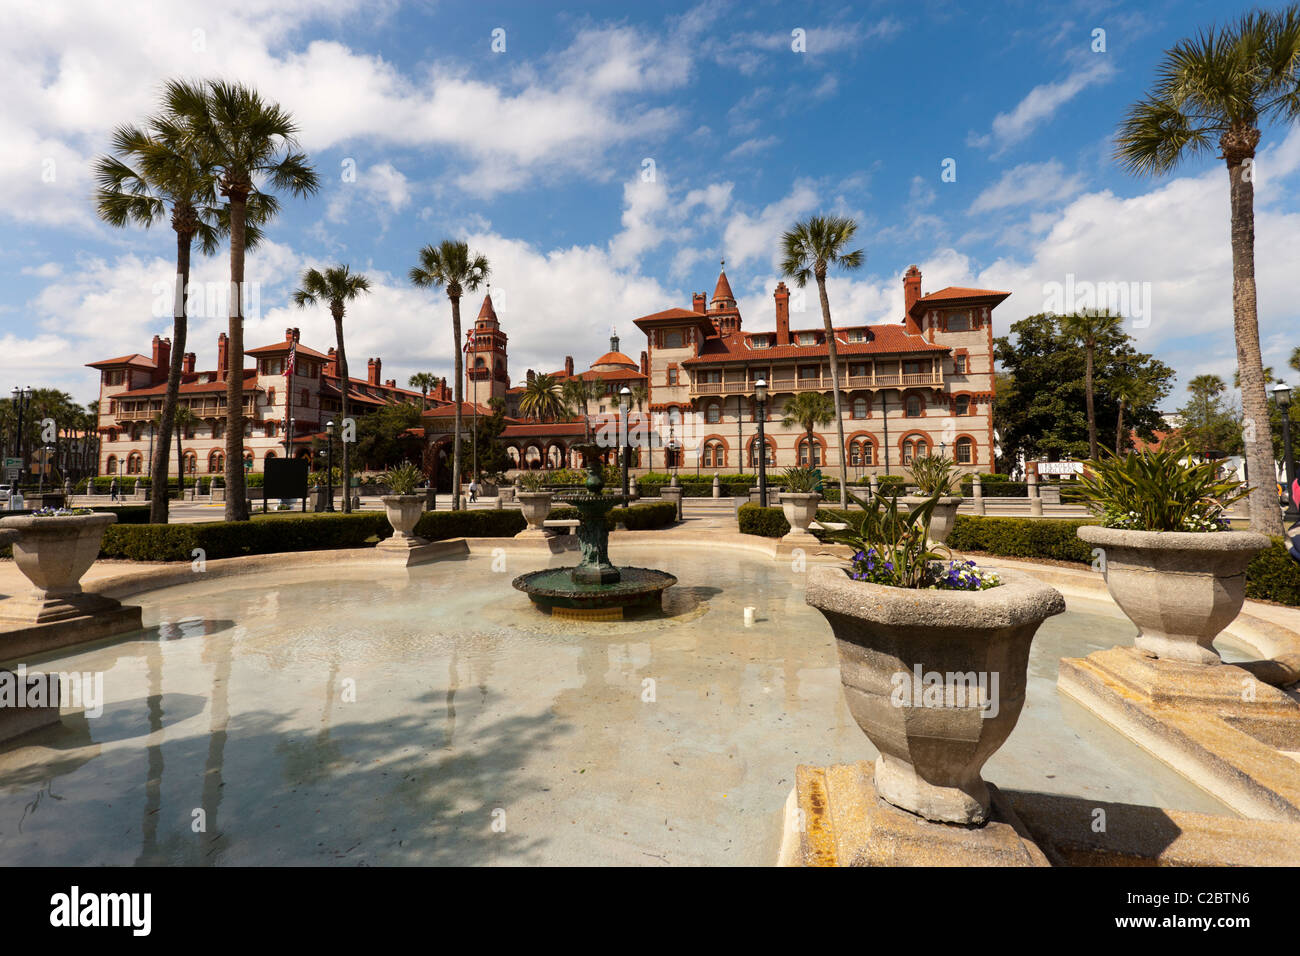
594	590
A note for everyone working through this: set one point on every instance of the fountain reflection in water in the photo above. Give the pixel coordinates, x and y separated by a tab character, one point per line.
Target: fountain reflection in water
595	590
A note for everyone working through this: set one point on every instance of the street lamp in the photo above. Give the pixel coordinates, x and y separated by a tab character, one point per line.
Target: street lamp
625	403
1282	395
329	465
22	399
760	396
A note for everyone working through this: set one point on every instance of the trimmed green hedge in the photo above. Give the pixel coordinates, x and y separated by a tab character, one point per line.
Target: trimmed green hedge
765	522
1273	575
636	518
440	525
1022	537
228	539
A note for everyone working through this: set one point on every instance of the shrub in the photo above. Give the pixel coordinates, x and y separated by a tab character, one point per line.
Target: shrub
227	539
636	518
1273	575
440	525
1159	491
765	522
1021	538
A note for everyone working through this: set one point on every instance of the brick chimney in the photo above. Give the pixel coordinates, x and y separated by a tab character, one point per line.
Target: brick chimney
162	358
288	335
782	296
911	295
223	355
372	371
568	365
531	375
187	364
331	363
645	362
699	302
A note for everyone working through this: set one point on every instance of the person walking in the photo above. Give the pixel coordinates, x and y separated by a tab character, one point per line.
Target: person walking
112	490
473	490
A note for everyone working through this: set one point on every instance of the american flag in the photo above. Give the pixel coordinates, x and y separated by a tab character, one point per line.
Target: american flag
293	357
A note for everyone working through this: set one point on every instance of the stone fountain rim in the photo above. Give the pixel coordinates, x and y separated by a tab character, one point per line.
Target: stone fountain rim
26	523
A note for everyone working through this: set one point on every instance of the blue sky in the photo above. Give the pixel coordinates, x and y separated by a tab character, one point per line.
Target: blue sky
611	154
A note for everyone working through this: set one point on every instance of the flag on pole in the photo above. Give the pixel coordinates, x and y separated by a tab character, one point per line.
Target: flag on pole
293	357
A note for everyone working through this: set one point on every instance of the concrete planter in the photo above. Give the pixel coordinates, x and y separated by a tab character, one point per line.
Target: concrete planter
53	554
1180	588
800	510
535	505
942	518
936	680
403	514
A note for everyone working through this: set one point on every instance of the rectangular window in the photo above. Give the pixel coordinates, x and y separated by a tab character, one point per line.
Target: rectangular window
672	340
672	376
807	338
959	364
857	335
958	321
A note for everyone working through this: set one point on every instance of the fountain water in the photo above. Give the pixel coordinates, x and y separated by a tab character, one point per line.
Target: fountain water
594	590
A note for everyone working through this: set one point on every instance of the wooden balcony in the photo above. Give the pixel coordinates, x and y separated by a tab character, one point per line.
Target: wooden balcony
882	380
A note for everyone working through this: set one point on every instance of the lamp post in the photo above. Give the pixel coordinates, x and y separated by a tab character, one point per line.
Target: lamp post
760	396
625	406
1282	395
22	399
329	465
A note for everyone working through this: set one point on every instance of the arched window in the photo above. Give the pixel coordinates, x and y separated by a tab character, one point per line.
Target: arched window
714	456
753	452
111	465
961	405
217	463
913	406
269	455
861	407
861	453
965	451
809	452
713	413
191	463
134	463
248	461
218	428
270	429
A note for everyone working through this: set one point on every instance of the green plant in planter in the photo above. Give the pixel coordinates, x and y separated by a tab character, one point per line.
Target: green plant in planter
532	481
1159	491
891	547
933	475
802	480
404	479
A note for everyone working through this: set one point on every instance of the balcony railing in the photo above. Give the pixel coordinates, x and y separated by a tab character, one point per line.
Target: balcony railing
881	380
205	409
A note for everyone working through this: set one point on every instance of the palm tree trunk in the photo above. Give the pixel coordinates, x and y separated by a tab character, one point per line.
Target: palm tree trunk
180	463
158	502
343	390
236	492
458	397
1092	413
833	353
1119	428
1265	515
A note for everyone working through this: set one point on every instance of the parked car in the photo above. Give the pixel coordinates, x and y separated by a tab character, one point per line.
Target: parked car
6	492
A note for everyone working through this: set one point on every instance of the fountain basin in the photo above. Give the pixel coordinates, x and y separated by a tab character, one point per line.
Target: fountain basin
556	591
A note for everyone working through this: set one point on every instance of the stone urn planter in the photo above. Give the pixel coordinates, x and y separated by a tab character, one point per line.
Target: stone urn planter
535	505
936	680
53	553
1180	588
800	511
404	513
942	518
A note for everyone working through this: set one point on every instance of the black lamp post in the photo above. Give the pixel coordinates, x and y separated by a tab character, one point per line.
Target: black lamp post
22	399
760	397
329	466
1282	395
625	403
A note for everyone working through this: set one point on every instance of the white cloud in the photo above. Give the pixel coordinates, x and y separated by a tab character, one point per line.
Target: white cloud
1040	105
751	146
1027	184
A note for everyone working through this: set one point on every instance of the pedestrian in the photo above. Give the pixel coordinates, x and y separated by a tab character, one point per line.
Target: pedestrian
112	490
473	490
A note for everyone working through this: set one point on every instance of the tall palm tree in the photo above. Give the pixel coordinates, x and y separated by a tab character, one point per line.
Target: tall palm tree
1216	91
808	410
336	286
575	396
250	145
1086	328
543	398
1131	390
423	381
154	173
451	266
1268	376
1294	360
1206	389
808	251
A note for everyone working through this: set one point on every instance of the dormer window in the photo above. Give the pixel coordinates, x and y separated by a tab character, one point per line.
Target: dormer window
760	341
958	321
807	338
857	335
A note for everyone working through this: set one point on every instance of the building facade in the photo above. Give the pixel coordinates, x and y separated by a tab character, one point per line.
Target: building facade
283	411
921	386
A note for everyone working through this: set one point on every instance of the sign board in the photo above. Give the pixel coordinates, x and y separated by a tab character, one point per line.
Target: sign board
285	478
1060	468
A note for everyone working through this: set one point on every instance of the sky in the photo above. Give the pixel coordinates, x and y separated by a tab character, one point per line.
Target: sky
606	157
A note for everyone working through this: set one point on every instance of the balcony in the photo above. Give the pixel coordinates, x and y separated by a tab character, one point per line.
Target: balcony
881	380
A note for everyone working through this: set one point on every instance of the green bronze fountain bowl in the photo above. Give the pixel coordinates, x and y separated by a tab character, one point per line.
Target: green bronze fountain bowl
636	589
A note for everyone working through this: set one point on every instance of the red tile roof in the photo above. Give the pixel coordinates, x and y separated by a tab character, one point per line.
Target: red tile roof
723	289
882	339
276	347
135	358
487	311
614	358
449	410
189	388
956	293
532	429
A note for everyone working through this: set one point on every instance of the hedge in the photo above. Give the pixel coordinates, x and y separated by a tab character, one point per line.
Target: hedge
635	518
765	522
1022	537
440	525
1273	575
228	539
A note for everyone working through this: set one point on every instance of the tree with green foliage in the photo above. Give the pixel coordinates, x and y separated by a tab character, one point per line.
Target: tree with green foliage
424	381
1209	425
385	436
493	459
1085	328
808	410
1040	408
543	398
1213	94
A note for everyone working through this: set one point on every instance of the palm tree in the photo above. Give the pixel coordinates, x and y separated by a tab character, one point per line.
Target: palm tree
156	173
1131	390
575	395
809	250
1216	91
451	266
336	286
543	398
808	410
1294	360
1268	376
245	140
1086	328
1206	389
423	381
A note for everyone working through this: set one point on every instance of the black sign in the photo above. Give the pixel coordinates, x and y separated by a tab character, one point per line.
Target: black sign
285	478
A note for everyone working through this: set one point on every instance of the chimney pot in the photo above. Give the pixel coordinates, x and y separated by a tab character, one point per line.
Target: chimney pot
911	295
